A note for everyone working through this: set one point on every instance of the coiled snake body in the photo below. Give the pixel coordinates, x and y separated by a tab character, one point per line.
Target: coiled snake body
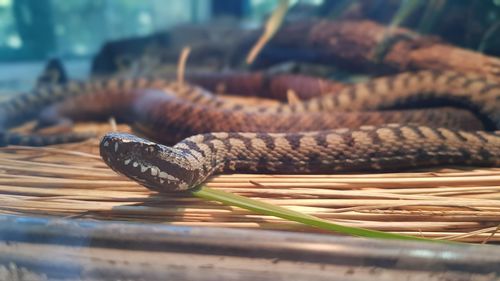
278	138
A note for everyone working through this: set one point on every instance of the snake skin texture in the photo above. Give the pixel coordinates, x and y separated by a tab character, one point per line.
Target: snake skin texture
265	85
390	147
44	103
385	148
176	111
166	122
283	138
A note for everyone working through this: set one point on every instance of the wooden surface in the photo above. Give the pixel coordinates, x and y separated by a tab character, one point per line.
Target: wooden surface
69	249
354	46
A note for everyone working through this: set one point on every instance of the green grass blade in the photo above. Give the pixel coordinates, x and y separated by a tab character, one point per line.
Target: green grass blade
341	7
488	36
272	210
405	10
433	11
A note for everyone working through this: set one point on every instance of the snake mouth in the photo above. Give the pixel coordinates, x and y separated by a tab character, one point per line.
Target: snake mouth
153	165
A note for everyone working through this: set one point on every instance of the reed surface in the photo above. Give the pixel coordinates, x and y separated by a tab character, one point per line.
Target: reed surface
70	180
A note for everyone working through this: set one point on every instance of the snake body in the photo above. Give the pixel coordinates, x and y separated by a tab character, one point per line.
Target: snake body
173	111
392	147
368	148
275	137
265	84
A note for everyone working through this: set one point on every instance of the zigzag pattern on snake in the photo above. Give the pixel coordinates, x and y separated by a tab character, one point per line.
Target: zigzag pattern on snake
385	148
388	147
178	111
188	110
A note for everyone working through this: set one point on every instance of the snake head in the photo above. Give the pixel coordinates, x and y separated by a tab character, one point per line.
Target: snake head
153	165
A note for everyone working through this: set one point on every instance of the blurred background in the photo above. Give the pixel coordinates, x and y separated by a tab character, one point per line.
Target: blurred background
34	31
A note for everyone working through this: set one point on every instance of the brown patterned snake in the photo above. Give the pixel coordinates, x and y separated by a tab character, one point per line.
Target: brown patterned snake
368	148
186	110
425	138
191	161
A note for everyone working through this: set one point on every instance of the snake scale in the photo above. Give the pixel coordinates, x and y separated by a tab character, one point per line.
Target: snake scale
265	84
280	138
392	147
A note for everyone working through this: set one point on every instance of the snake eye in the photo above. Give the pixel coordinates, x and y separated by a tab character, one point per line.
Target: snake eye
155	166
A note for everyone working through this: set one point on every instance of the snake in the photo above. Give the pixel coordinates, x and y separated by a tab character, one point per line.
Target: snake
347	130
265	84
376	147
167	112
392	147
